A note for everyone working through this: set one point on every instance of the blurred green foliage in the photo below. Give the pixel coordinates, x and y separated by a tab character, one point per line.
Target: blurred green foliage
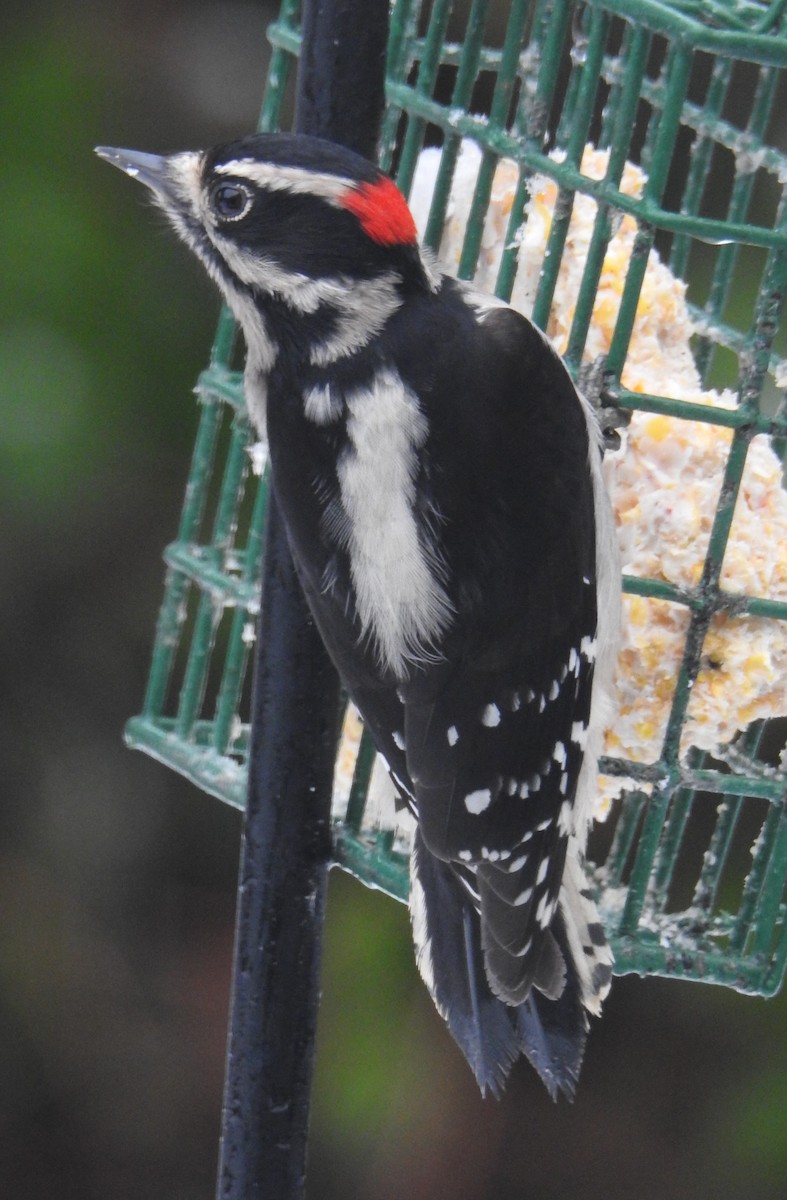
79	352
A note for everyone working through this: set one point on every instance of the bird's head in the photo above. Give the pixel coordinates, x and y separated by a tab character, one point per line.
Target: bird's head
272	213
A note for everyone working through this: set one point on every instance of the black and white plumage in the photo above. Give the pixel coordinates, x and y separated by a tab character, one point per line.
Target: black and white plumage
439	477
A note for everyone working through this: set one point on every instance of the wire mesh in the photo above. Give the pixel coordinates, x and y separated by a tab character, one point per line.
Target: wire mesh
598	120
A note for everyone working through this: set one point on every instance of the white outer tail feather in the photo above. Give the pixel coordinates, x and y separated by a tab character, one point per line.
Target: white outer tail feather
582	924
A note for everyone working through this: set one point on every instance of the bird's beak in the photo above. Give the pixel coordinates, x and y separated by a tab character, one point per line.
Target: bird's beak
150	169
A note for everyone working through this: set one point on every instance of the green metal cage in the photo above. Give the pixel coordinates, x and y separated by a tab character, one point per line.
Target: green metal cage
690	863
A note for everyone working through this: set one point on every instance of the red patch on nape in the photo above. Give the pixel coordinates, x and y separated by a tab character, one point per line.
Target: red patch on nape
382	211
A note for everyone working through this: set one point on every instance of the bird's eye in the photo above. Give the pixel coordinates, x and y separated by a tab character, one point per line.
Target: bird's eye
231	201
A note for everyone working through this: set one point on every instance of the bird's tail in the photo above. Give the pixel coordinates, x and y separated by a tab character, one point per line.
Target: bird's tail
550	1033
449	956
586	942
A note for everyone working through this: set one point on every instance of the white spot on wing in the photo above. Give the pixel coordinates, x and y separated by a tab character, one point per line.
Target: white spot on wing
524	896
559	754
542	871
588	647
545	911
478	802
491	715
579	734
398	740
452	735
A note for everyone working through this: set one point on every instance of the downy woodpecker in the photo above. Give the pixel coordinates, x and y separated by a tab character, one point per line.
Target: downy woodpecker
439	477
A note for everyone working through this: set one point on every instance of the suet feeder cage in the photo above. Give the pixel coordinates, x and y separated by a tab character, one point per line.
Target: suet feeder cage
617	170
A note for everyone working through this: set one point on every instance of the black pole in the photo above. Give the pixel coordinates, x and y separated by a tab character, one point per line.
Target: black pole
286	837
341	82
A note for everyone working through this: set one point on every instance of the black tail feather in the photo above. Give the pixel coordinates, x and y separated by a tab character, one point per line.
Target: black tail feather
552	1033
448	946
490	1033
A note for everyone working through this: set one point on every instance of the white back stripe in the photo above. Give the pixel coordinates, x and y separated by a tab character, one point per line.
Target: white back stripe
395	572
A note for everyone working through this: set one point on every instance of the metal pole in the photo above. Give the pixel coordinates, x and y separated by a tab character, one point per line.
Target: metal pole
286	837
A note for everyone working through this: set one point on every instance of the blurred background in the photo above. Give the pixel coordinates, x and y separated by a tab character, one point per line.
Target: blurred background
117	879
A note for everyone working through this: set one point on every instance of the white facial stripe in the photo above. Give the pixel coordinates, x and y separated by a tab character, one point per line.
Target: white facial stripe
301	292
186	212
185	175
363	307
186	172
300	181
399	598
296	180
260	353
